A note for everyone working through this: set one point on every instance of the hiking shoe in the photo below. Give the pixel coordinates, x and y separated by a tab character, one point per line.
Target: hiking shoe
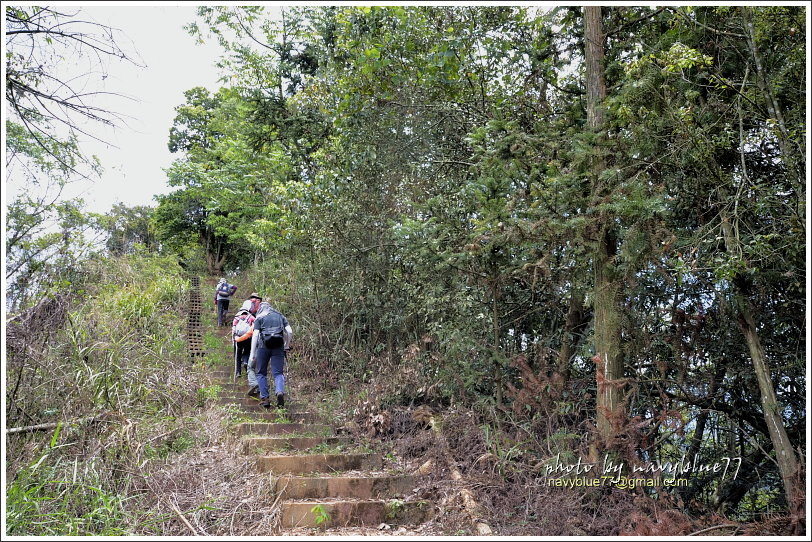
280	400
253	392
265	403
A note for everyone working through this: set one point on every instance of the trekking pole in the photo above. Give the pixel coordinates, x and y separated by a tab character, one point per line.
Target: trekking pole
286	374
234	346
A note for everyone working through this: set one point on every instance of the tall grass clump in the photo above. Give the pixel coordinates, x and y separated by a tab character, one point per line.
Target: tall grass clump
105	361
52	499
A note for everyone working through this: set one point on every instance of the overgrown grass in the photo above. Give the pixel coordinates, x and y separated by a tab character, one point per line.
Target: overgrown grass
48	499
116	360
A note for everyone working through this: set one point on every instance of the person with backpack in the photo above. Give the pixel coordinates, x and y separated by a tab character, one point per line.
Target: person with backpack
241	330
271	339
246	338
222	295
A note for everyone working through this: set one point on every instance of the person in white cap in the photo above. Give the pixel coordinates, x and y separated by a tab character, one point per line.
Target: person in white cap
222	295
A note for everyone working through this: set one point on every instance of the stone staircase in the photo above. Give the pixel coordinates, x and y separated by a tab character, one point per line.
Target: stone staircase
321	480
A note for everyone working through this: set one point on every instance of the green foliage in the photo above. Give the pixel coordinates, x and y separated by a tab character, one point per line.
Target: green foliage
109	345
325	448
210	392
393	508
177	443
45	239
418	191
44	500
129	229
322	516
211	341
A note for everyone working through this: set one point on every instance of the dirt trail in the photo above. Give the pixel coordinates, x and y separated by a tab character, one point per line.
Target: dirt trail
322	482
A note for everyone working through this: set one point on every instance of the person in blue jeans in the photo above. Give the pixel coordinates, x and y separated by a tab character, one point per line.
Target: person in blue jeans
271	353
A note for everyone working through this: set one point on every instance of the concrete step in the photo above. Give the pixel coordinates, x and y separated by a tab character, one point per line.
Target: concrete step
243	397
251	403
227	371
355	487
345	513
276	416
291	412
304	464
269	429
261	445
239	388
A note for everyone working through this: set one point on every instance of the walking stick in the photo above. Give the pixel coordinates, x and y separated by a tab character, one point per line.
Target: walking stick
286	374
236	361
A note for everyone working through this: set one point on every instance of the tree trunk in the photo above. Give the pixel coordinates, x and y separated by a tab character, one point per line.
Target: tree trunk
572	324
593	58
784	452
497	338
608	358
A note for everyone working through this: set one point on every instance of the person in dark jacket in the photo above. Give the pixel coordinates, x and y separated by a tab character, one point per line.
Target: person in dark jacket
272	353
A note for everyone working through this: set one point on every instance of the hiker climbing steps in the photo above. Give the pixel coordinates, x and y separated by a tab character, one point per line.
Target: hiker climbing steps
319	481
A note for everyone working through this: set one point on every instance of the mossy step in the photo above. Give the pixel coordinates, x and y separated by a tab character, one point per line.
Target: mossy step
355	513
269	444
309	463
234	388
250	402
301	429
356	487
276	416
241	397
290	412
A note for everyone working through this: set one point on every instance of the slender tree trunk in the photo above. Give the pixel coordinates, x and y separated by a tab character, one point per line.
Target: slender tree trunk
784	452
497	333
593	57
573	321
608	358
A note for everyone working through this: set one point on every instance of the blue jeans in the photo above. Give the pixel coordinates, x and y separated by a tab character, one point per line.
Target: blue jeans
222	309
275	357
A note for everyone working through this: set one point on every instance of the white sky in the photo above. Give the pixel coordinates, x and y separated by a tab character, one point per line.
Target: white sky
153	34
133	172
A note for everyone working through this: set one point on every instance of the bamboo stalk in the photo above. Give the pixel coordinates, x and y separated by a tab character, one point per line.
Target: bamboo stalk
43	426
183	518
715	527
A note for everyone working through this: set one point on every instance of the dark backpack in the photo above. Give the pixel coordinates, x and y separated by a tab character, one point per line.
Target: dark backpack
272	329
224	289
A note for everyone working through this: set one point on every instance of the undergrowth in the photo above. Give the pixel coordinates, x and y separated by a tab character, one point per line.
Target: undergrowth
109	367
